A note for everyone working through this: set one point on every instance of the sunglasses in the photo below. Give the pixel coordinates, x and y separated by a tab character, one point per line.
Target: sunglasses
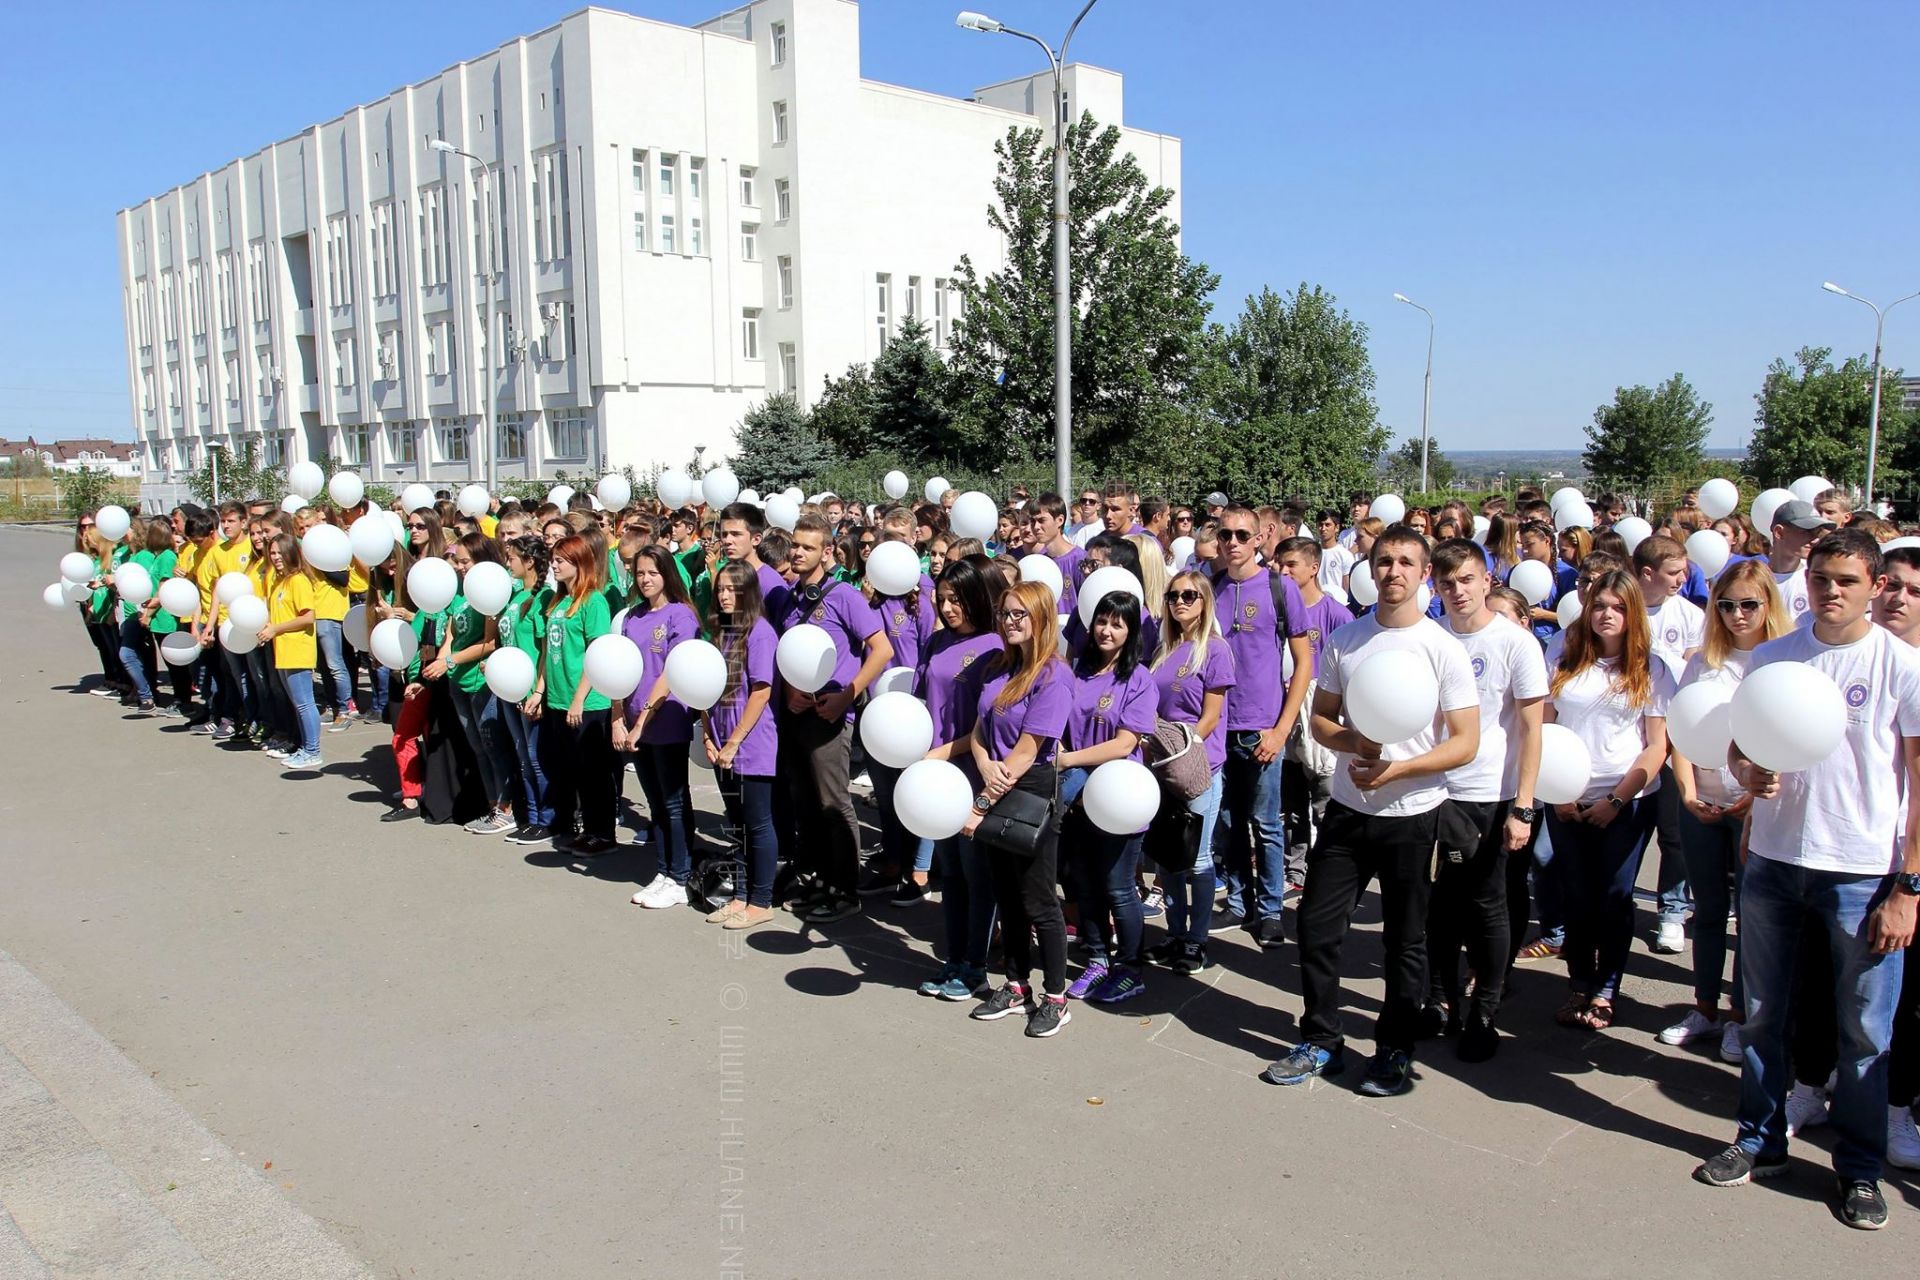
866	544
1186	596
1012	615
422	528
1238	535
1743	606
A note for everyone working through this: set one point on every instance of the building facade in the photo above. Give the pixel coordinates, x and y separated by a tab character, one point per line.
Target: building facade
665	225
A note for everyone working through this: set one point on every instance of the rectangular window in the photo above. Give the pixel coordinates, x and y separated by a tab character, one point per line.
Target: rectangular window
200	383
433	236
339	249
511	430
779	123
778	32
353	446
403	445
747	173
383	258
785	274
233	379
749	242
666	234
913	297
440	349
276	448
567	433
389	355
343	362
789	368
669	165
552	231
229	291
750	333
640	170
695	241
640	232
197	299
939	312
782	200
883	308
696	172
259	283
453	440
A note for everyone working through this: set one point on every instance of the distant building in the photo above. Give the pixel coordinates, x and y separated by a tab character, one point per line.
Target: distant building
677	222
1910	393
73	455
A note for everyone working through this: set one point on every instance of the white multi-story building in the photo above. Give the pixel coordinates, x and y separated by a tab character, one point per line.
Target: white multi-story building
669	224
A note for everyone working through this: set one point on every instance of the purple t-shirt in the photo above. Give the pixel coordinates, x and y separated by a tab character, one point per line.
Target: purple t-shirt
949	681
1042	713
843	613
1183	690
773	592
1103	706
755	759
908	628
657	631
1076	635
1245	611
1323	618
1069	566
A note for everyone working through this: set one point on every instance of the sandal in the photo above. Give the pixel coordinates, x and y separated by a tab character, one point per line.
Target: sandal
1574	1012
1599	1015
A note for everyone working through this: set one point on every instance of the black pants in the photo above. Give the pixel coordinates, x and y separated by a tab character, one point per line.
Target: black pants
1468	907
579	764
1030	915
1813	1042
1353	850
1903	1057
824	835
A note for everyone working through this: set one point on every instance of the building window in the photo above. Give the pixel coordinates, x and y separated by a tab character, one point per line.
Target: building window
883	307
200	383
343	362
276	448
750	333
228	289
913	297
669	164
197	299
511	434
696	171
747	173
259	284
749	242
354	445
695	241
789	368
433	236
558	319
567	433
939	312
779	123
640	232
233	379
552	230
778	32
440	349
782	200
146	391
453	440
784	271
389	355
339	263
384	256
640	170
403	445
666	233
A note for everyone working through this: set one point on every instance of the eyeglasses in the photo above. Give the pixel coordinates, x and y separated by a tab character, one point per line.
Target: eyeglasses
422	528
1744	606
1089	499
1183	519
1239	535
1187	596
1012	615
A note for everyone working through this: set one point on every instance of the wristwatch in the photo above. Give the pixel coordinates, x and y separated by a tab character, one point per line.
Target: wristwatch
1523	813
1907	882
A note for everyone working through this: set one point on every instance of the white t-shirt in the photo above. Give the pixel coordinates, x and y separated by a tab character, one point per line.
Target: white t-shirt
1793	589
1507	668
1843	814
1712	780
1335	561
1352	645
1614	732
1678	627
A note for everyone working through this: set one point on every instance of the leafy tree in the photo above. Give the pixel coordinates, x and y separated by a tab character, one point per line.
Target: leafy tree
912	406
86	489
843	414
1139	306
1812	420
1648	432
1403	468
778	446
241	476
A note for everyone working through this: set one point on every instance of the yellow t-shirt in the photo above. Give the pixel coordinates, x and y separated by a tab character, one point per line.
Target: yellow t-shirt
292	596
206	571
356	578
183	562
239	552
490	525
329	601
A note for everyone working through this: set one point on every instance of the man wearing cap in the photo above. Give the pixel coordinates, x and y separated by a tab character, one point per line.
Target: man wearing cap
1216	503
1796	525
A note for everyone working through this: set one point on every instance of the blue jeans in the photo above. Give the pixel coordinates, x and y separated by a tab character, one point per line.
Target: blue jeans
966	900
478	712
662	769
524	737
136	653
1601	865
749	804
296	684
1190	893
1676	898
1779	904
336	689
1256	843
1104	866
898	846
1549	899
1713	869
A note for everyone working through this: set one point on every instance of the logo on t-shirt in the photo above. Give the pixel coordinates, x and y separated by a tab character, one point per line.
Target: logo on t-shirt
1799	604
1105	703
819	614
899	620
966	660
1857	694
1673	635
659	634
1479	666
1186	669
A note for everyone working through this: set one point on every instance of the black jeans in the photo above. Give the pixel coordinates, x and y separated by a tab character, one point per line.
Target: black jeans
579	764
1468	908
1029	906
1353	850
814	766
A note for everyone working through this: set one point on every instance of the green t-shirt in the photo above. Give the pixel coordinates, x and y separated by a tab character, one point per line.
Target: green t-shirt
163	623
523	623
567	639
100	604
419	624
144	558
469	628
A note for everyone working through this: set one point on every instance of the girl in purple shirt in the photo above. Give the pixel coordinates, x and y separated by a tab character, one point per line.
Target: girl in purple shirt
739	733
654	725
904	857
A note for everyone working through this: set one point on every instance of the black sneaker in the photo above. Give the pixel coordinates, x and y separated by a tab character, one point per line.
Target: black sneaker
1303	1062
1270	933
1010	999
1861	1204
1735	1168
1431	1021
592	847
533	833
1052	1013
1164	953
142	710
831	907
873	882
1193	958
1478	1041
1390	1073
908	894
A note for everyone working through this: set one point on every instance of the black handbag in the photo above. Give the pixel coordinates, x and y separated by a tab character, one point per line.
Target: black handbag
1017	822
1173	837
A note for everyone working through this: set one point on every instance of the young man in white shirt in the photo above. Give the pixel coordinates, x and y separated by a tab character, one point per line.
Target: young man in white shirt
1795	526
1490	813
1830	855
1897	608
1380	823
1677	626
1336	560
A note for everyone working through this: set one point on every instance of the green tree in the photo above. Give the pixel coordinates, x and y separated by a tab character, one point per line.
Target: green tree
241	476
843	413
86	490
1139	306
912	404
1648	432
1812	420
778	446
1403	467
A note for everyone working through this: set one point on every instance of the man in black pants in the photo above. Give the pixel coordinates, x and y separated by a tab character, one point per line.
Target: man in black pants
1380	822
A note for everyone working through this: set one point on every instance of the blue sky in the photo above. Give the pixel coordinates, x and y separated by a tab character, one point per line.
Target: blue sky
1585	196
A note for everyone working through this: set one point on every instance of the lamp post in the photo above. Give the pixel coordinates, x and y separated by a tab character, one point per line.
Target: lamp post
1873	420
1426	395
1062	284
486	305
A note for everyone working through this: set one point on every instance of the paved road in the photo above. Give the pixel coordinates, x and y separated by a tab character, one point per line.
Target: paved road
467	1062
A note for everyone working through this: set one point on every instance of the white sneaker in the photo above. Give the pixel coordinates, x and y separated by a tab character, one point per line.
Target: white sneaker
1670	939
1903	1141
1696	1025
640	899
665	893
1731	1048
1806	1108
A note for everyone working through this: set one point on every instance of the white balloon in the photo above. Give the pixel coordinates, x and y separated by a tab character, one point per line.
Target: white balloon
1788	716
1391	508
306	479
673	487
1481	526
236	642
893	568
933	799
782	512
614	491
396	524
1531	579
180	649
1807	488
614	666
806	657
720	487
934	488
293	502
895	483
133	582
346	489
488	588
1566	493
1718	497
510	675
232	586
892	680
371	539
974	515
249	614
55	596
473	500
750	495
1566	766
1572	514
416	497
1894	544
1633	531
1764	506
696	673
355	627
327	548
1392	696
180	597
76	566
1106	581
793	491
896	729
393	644
1121	797
76	592
431	584
1180	554
112	523
1708	548
560	495
1361	586
1042	569
1423	597
619	623
1568	609
1700	722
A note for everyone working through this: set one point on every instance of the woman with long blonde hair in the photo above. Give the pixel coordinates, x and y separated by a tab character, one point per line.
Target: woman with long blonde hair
1153	576
1611	689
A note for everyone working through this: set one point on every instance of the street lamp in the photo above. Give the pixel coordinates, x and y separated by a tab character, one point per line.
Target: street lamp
1873	421
446	148
1426	396
1062	284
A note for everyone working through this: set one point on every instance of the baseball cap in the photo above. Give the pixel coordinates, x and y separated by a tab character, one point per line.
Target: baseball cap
1801	515
1216	499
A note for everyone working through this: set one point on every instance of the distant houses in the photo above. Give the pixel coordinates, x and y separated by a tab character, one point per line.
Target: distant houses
111	456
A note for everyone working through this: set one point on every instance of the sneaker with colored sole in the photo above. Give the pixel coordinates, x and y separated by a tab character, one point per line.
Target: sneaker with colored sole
1090	977
1302	1063
1005	1001
1389	1074
1047	1017
1735	1167
1121	983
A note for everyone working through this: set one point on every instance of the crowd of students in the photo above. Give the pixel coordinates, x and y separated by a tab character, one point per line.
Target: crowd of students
1228	679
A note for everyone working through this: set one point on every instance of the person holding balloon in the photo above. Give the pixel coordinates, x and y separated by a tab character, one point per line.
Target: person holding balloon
288	637
1676	626
522	626
741	740
903	598
656	726
273	722
471	635
576	736
154	554
1826	738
